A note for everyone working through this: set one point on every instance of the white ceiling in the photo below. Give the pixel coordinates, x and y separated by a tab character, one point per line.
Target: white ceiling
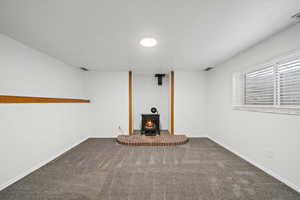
105	34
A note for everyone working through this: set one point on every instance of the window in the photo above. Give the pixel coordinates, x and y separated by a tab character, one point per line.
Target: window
272	87
259	87
289	82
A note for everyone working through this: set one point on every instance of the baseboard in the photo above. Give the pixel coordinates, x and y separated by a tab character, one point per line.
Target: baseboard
268	171
41	164
198	136
115	136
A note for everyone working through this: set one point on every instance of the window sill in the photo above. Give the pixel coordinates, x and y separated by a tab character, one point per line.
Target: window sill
269	109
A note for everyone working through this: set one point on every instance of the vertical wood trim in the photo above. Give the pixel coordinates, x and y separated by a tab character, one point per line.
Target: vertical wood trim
172	103
130	103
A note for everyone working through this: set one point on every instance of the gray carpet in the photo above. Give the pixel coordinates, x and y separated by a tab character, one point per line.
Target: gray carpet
103	170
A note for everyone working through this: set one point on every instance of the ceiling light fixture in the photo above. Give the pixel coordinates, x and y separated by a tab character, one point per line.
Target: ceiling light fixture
148	42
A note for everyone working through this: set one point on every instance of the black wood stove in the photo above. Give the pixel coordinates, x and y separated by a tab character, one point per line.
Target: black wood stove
150	124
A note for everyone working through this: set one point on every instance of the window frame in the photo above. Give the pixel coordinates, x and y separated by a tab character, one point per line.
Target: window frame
239	89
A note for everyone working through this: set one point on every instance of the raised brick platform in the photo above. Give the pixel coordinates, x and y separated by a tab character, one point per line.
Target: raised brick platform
161	140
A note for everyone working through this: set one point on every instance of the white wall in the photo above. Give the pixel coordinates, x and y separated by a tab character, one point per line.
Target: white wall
190	103
270	140
108	92
31	134
147	94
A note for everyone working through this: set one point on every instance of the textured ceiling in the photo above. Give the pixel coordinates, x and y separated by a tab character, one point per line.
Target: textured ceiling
105	34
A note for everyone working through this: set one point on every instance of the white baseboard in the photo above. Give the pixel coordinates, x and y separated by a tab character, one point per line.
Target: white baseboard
268	171
41	164
197	136
115	136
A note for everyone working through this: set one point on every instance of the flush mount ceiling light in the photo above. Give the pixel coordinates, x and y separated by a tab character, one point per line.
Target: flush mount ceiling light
148	42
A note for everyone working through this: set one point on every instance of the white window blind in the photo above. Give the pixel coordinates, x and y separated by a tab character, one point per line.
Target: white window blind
275	85
289	82
259	87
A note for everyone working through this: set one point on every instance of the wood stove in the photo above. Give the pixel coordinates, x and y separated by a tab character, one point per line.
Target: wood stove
150	124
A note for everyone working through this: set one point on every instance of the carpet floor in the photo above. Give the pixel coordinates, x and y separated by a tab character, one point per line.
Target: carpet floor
101	169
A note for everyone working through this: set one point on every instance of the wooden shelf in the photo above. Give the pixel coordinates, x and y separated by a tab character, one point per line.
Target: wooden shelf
23	99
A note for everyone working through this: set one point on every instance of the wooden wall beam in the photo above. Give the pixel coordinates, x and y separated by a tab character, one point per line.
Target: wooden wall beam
172	103
130	126
25	99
